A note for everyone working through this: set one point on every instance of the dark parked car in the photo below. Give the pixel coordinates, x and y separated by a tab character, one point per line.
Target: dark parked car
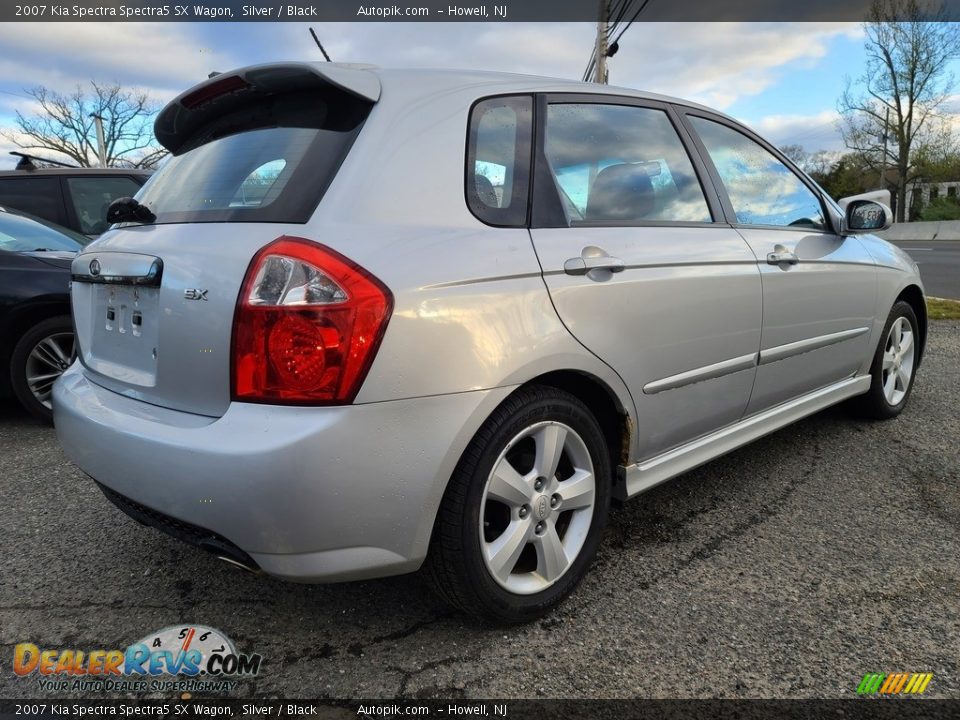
36	332
76	198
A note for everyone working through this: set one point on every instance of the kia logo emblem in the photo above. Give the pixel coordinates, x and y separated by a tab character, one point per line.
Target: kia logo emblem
94	267
542	507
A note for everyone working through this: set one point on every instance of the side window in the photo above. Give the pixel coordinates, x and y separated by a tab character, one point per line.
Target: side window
498	160
38	196
762	189
91	196
619	164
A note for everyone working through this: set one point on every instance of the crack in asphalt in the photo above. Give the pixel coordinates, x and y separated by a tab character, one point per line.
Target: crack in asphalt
407	675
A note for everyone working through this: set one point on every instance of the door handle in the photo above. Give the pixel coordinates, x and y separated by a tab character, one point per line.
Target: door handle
782	256
583	265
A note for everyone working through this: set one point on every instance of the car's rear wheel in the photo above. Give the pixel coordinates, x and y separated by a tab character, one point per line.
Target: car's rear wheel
524	512
39	358
894	365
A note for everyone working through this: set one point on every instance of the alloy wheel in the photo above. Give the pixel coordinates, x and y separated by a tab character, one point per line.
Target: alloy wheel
898	360
47	361
537	507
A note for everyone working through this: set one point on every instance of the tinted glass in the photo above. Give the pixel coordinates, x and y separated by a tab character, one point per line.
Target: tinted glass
22	234
762	189
498	162
617	164
268	161
38	196
91	196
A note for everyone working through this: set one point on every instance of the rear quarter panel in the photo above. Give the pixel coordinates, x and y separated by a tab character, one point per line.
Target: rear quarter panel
471	310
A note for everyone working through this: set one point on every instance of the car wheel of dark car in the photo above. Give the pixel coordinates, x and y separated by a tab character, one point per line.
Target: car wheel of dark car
523	515
39	358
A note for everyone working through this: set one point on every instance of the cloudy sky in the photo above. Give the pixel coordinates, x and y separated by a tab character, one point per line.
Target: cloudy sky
781	79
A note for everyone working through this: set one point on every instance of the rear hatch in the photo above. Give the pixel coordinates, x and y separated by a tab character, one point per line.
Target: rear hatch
253	153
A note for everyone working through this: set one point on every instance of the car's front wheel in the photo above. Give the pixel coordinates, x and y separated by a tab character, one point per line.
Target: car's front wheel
39	358
524	512
894	365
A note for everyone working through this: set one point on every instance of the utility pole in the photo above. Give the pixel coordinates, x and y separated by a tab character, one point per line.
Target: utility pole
101	145
600	71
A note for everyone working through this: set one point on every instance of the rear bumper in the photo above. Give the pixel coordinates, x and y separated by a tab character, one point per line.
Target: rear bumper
308	494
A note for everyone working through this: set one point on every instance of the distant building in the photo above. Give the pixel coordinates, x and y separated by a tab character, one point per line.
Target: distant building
920	195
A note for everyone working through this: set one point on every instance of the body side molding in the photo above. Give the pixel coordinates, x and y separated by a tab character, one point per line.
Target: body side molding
707	372
781	352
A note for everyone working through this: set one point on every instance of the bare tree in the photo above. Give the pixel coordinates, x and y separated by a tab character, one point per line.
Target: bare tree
896	106
64	124
796	153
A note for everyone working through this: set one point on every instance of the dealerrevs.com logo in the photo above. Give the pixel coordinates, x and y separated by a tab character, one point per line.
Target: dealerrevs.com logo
179	658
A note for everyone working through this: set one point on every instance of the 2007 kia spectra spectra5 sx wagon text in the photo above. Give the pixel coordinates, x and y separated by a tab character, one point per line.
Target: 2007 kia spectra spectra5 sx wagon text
366	320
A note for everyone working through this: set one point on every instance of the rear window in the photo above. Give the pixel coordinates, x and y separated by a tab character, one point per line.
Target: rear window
260	164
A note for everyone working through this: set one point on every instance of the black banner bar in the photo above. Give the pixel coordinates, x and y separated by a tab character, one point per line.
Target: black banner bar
898	708
433	10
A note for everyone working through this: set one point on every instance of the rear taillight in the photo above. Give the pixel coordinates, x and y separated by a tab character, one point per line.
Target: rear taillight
307	325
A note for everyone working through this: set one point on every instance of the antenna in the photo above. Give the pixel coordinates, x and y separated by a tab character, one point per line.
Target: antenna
317	41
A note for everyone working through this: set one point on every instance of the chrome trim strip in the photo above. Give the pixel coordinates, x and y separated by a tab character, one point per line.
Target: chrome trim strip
707	372
110	268
642	476
781	352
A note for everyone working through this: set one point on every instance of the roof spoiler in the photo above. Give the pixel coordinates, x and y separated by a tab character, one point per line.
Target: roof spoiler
190	110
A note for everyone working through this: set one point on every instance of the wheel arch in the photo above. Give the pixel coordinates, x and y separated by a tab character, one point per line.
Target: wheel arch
913	296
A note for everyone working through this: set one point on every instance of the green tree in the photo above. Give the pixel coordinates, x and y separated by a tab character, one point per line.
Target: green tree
848	175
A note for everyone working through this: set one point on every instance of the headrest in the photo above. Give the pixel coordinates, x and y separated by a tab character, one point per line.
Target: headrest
620	193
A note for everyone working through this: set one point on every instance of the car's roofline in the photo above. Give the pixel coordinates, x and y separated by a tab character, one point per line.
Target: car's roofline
76	171
497	82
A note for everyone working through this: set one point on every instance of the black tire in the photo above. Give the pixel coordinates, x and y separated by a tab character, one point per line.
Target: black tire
874	405
455	565
55	327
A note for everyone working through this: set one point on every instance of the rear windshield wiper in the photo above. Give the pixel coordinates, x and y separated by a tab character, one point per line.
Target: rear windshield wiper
126	209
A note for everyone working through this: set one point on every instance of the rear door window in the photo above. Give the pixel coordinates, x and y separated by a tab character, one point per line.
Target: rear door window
91	196
38	196
498	160
621	165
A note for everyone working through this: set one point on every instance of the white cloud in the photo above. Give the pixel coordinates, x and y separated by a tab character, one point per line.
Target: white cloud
718	63
163	57
814	132
714	63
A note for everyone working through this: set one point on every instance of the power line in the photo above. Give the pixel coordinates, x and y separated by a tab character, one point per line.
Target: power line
617	12
635	16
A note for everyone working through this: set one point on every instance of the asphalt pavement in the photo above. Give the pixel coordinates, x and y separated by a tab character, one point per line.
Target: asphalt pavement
787	569
939	262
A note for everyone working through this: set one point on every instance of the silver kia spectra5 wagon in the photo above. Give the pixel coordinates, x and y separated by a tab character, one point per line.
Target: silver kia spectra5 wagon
368	320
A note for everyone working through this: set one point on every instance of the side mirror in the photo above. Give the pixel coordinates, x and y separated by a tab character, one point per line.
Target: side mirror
865	216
